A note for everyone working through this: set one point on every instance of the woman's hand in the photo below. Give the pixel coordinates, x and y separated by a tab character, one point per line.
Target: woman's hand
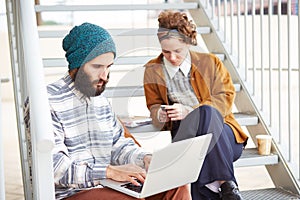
128	172
162	114
177	111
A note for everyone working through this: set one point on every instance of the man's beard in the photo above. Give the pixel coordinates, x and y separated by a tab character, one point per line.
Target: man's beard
85	86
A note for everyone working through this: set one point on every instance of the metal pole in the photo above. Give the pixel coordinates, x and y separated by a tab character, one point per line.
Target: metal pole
289	25
262	55
253	49
231	26
298	8
239	32
270	14
246	39
40	118
225	22
2	178
279	75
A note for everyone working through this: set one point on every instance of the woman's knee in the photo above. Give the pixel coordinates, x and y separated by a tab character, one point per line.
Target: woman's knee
209	110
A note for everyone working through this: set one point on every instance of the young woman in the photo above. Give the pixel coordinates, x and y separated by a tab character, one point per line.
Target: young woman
192	94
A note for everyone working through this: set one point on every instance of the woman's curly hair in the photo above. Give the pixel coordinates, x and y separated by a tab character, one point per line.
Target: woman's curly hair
179	21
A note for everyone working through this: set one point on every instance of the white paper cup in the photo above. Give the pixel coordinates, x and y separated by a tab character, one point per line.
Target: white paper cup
264	144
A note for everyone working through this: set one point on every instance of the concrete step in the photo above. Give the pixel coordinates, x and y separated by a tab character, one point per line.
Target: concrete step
116	32
247	120
126	60
115	7
250	157
137	91
269	194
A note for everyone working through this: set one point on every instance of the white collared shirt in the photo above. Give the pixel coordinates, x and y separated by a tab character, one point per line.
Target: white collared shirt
185	66
179	87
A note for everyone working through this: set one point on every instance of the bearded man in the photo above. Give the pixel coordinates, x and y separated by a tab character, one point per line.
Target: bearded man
90	142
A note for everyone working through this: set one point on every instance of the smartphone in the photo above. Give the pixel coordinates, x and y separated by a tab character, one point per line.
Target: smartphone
166	107
163	107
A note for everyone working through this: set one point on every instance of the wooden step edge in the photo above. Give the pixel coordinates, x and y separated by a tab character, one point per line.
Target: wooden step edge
116	32
116	7
250	157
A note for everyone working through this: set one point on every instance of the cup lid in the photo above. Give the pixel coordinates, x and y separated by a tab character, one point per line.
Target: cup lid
263	136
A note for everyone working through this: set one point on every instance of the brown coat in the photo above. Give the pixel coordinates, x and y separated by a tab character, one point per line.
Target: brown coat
210	80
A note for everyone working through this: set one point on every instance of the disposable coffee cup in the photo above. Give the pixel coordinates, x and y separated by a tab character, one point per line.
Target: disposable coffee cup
264	144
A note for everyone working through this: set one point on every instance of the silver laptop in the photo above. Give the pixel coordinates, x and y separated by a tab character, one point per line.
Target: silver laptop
175	165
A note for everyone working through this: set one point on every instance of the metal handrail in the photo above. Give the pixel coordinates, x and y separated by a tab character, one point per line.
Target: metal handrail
41	126
269	64
2	181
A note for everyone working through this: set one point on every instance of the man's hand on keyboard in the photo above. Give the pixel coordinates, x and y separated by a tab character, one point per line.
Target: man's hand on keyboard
128	172
147	160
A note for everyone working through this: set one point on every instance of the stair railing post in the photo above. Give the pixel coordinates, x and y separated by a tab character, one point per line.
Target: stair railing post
40	118
2	179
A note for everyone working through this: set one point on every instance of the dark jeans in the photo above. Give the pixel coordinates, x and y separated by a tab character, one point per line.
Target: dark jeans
222	152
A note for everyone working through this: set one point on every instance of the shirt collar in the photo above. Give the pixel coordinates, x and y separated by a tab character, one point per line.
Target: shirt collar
184	67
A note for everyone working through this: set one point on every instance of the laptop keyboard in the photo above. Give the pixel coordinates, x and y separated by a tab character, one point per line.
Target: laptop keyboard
132	187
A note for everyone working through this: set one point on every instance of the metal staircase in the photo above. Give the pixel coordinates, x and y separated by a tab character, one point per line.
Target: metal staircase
216	42
135	47
16	54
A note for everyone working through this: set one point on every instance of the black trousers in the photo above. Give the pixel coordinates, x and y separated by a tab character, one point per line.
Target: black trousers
222	152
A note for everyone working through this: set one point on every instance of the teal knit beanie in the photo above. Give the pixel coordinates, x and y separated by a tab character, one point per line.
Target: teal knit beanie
85	42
